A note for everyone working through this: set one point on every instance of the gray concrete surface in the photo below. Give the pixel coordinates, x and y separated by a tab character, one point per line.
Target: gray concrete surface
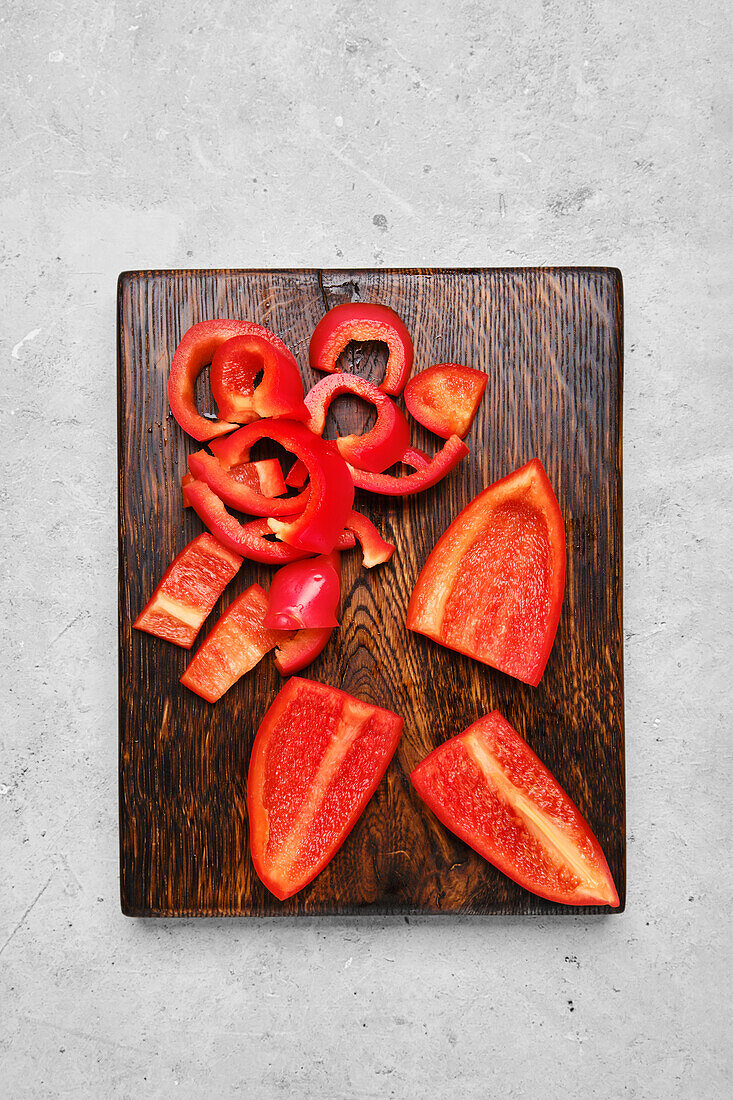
283	134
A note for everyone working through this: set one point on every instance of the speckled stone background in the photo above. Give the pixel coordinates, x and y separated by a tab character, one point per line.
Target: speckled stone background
280	134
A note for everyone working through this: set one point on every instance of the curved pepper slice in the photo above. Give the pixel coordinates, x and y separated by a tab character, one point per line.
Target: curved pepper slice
233	371
246	539
441	463
237	643
317	759
305	594
493	584
488	787
265	475
445	398
363	321
188	590
196	349
382	445
240	494
375	549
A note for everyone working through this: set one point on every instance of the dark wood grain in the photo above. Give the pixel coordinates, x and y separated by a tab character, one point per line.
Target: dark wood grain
550	341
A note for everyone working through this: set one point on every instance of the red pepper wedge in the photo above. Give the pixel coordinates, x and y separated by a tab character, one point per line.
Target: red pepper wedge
363	321
265	475
305	594
246	539
233	371
488	787
493	584
237	643
317	759
441	464
188	590
382	445
196	349
445	398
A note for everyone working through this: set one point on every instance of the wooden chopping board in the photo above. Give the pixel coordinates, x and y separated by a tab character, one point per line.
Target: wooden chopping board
551	342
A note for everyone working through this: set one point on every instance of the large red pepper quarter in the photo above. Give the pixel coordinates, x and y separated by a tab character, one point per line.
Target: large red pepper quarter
493	584
488	787
196	349
317	759
363	321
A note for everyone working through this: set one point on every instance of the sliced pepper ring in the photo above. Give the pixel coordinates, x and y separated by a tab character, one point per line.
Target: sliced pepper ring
382	445
234	368
424	476
196	349
363	321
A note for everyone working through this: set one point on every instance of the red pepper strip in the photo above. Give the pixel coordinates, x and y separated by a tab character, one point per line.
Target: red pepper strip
488	787
375	549
493	584
317	759
305	594
265	475
300	649
248	539
415	458
234	369
441	464
196	349
236	644
363	321
297	475
382	445
188	590
445	398
239	494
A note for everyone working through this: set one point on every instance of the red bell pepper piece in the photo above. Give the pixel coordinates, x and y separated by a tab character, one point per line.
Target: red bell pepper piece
363	321
236	644
305	594
488	787
442	463
297	475
196	349
445	398
299	649
239	492
246	539
265	476
233	371
493	584
323	507
317	759
375	549
382	445
188	590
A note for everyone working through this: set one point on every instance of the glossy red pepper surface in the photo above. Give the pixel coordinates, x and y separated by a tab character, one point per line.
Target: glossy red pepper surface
493	584
424	476
445	398
188	590
299	649
246	539
382	445
196	349
236	644
317	759
363	321
375	549
305	594
233	371
488	787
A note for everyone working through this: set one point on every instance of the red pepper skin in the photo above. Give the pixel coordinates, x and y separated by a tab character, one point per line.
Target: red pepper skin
375	549
363	321
301	649
305	594
235	645
188	590
441	464
317	759
488	787
240	494
196	349
493	584
445	398
382	445
246	539
297	475
233	370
